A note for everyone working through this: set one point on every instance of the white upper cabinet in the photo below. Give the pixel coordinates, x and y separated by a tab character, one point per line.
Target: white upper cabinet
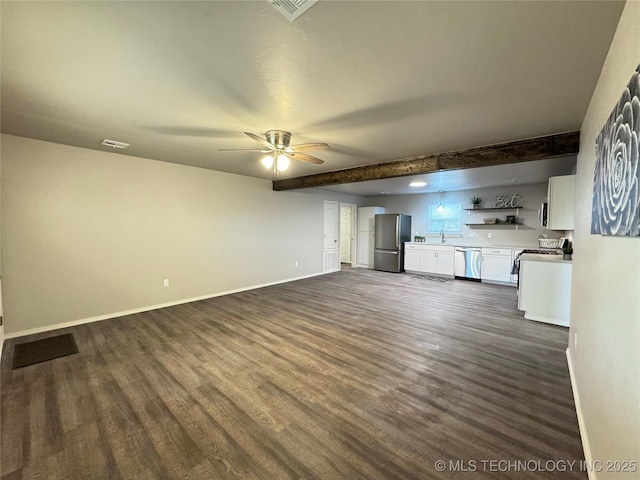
367	218
561	198
366	235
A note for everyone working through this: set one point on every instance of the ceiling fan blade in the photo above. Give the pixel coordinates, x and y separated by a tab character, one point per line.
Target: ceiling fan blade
259	140
303	147
304	157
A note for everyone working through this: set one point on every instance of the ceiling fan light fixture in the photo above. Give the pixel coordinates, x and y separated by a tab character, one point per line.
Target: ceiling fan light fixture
283	163
279	152
267	161
278	161
278	138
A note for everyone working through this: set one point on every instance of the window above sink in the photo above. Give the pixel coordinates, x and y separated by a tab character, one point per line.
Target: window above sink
444	218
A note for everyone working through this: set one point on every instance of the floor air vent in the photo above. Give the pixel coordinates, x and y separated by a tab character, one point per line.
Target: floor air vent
37	351
292	9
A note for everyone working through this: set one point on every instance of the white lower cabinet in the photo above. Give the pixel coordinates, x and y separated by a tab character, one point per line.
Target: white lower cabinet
412	259
428	261
496	265
422	258
444	262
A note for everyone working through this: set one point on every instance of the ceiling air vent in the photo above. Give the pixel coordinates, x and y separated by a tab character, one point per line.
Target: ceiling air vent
114	144
292	9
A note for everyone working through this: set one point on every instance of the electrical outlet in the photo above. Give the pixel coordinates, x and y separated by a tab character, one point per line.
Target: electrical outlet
575	341
489	235
166	282
295	263
472	234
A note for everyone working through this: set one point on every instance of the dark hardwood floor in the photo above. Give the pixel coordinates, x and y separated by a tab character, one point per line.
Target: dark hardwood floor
353	375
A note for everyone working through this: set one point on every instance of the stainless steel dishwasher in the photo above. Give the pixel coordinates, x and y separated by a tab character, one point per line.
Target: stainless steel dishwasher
468	263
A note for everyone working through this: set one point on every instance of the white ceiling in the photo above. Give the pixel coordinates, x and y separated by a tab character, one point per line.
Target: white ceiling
378	81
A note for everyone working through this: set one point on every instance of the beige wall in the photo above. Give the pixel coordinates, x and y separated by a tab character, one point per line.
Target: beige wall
605	303
90	234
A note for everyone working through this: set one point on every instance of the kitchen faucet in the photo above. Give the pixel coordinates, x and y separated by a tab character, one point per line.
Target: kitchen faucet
442	235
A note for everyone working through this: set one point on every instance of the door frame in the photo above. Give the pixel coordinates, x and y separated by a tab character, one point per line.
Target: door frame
329	263
354	231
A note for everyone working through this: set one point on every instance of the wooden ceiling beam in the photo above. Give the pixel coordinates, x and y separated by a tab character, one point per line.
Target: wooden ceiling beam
539	148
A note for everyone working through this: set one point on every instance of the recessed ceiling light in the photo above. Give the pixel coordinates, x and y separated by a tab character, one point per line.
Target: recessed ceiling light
417	184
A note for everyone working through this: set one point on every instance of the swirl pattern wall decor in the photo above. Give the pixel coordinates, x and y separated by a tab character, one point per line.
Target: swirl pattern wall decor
616	179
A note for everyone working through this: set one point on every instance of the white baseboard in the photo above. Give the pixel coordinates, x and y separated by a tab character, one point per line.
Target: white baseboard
98	318
586	446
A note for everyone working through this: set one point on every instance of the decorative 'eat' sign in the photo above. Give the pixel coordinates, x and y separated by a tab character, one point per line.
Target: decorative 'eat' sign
505	202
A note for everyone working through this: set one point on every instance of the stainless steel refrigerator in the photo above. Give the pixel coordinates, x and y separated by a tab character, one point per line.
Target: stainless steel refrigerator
392	230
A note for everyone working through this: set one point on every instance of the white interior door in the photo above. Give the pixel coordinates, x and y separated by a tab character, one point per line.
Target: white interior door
346	234
331	231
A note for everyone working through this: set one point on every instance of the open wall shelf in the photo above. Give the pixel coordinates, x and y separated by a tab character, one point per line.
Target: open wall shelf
517	209
500	224
493	225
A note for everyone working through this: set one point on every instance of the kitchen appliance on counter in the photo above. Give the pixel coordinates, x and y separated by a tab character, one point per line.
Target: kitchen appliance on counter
392	230
468	263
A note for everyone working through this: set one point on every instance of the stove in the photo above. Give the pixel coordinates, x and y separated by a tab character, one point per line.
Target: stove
515	269
542	251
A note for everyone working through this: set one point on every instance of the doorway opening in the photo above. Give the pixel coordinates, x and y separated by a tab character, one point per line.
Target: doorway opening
348	225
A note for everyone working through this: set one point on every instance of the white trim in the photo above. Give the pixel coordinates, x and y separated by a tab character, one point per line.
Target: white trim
586	446
98	318
354	231
550	321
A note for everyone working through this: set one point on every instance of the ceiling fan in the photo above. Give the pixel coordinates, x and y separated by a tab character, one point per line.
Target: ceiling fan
276	145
